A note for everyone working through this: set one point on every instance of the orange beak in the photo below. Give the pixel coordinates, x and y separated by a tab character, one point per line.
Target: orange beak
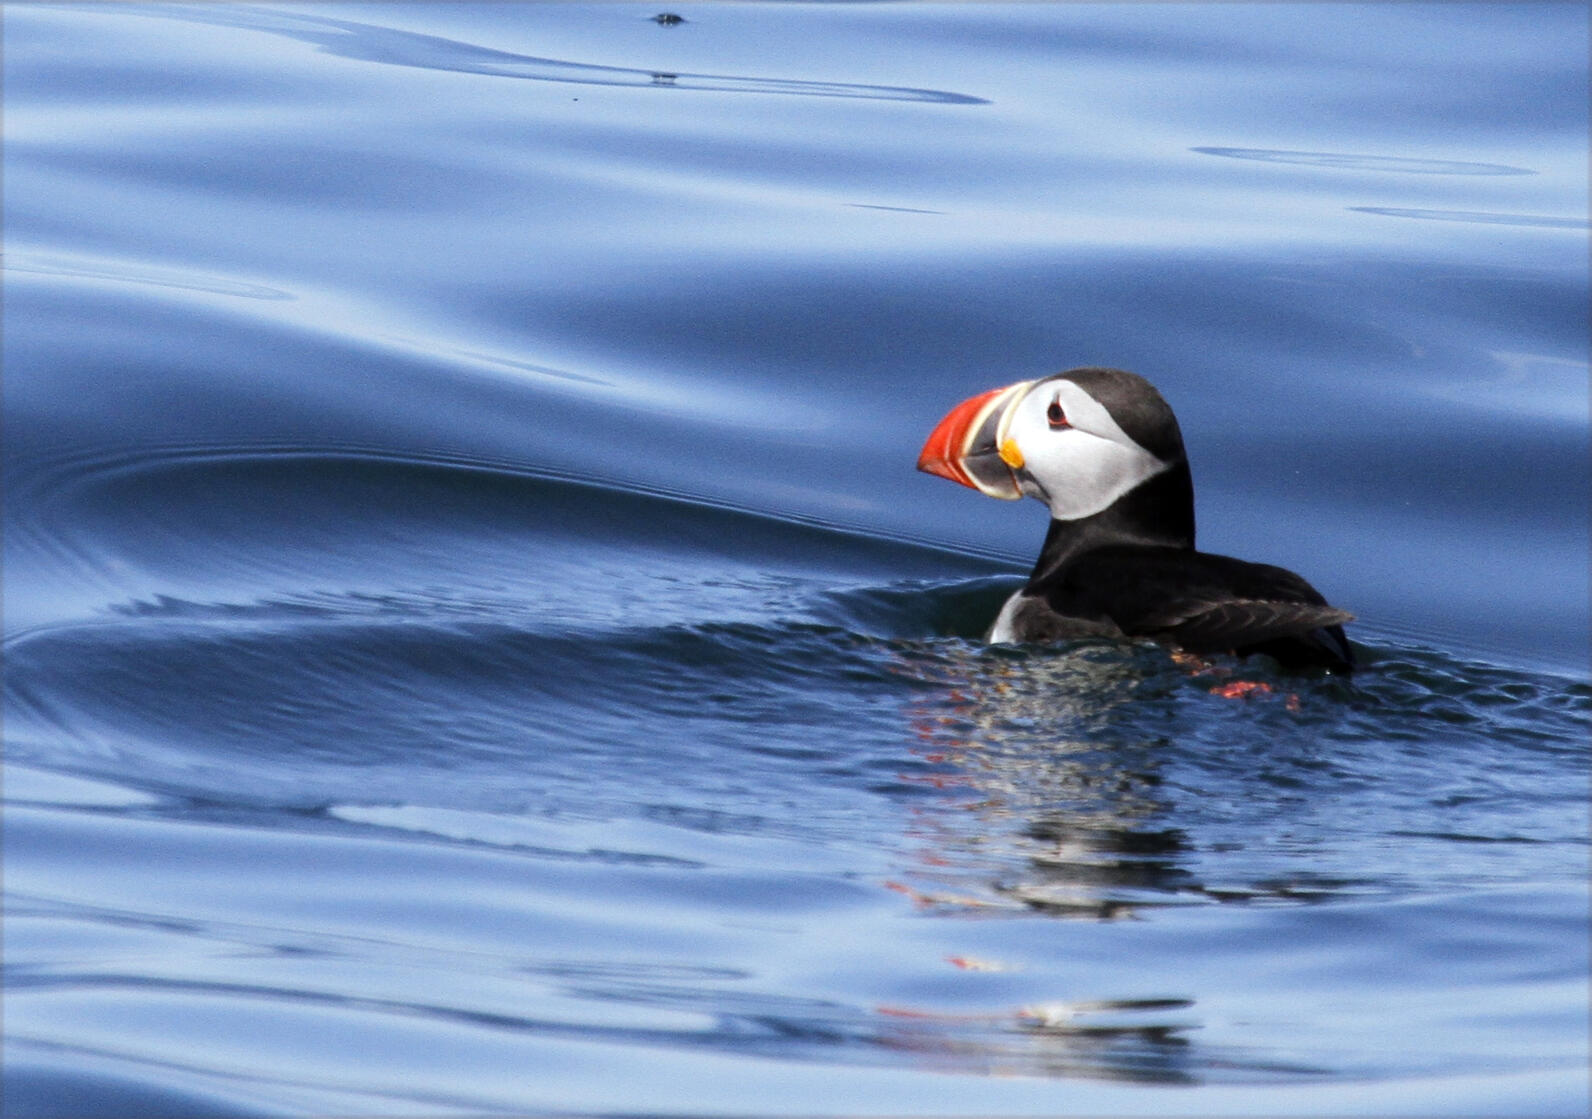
964	445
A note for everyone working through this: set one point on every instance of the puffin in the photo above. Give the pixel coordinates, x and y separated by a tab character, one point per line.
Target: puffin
1103	450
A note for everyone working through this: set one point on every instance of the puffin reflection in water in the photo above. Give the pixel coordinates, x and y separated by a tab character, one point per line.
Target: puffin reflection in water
1102	449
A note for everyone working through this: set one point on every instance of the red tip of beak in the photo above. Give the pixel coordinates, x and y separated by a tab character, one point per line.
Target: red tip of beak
947	443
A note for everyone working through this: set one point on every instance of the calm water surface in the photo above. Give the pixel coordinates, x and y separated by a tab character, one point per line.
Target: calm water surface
475	640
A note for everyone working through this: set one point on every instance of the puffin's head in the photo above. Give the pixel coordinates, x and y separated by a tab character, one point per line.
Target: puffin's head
1078	441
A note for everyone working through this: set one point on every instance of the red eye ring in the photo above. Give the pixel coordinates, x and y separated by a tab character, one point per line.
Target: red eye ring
1055	415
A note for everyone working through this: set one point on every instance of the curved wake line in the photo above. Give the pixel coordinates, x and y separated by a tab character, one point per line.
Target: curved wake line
1477	217
63	473
183	454
371	43
1348	161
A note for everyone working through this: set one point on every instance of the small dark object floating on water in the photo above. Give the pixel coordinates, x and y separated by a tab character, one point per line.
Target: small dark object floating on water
667	19
1103	450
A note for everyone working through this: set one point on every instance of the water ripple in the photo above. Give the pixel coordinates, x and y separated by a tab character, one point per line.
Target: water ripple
1530	221
138	273
1345	162
371	43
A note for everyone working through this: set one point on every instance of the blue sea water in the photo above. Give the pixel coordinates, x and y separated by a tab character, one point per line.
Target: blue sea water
475	640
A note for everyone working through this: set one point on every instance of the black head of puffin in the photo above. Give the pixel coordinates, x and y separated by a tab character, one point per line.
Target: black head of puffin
1077	440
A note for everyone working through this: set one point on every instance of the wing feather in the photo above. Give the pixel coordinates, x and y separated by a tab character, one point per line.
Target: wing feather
1202	602
1235	623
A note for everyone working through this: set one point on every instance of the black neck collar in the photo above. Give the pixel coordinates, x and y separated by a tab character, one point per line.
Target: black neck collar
1158	513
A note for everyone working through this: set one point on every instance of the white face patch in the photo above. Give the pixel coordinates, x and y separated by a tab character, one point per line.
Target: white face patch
1078	468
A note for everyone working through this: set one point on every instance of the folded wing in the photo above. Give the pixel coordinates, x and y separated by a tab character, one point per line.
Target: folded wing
1206	603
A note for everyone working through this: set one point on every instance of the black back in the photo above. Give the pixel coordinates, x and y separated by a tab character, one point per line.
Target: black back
1132	567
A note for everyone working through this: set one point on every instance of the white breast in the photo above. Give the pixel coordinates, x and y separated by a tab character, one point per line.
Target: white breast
1004	631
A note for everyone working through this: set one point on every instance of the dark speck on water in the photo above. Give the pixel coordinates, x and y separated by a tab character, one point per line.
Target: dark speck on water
475	640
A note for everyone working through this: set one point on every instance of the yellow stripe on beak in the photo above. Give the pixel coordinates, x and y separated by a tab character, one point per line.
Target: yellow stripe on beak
1010	455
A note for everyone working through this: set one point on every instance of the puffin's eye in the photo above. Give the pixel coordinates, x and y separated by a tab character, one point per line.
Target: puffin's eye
1055	415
